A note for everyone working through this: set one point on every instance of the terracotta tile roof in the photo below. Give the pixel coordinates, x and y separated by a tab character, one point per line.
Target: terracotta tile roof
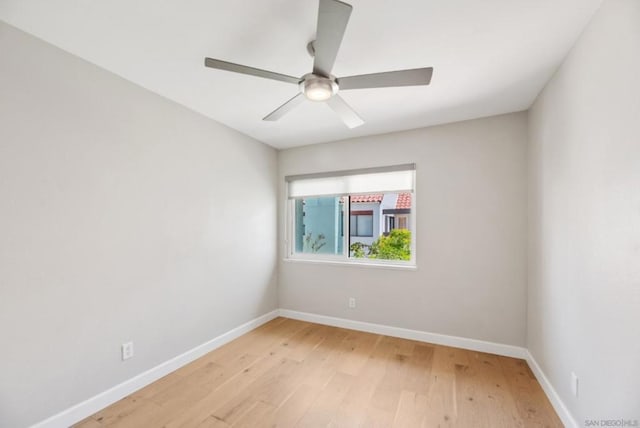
404	201
366	198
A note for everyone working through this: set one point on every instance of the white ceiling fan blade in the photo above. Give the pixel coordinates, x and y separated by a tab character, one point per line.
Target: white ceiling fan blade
346	113
284	108
414	77
237	68
333	16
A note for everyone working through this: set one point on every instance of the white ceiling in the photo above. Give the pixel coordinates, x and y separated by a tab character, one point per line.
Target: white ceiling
489	57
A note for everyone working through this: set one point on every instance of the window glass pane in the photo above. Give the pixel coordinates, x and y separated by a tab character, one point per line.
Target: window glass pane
318	225
365	225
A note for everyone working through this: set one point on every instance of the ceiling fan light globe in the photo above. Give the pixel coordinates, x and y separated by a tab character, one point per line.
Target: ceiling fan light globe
319	93
318	88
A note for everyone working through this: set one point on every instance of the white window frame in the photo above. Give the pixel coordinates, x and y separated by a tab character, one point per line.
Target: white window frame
345	259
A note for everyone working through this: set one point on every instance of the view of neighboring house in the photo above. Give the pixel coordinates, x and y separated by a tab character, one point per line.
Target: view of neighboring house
378	214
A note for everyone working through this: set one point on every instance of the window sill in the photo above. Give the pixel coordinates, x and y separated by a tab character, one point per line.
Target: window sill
366	265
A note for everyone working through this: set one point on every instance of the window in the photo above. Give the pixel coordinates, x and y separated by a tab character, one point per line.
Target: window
361	223
361	216
390	223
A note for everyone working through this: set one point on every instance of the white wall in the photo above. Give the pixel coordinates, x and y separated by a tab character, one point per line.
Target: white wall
584	279
123	216
471	233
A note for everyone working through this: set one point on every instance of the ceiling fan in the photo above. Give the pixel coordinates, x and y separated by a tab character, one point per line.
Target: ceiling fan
321	85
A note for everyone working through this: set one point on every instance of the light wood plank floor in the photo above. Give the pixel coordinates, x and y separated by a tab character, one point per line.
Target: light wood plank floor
292	373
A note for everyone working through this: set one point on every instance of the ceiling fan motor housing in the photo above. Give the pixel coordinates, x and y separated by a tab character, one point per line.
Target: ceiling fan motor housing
318	88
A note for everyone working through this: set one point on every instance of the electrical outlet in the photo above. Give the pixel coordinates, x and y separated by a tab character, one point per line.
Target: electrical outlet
574	384
352	302
127	350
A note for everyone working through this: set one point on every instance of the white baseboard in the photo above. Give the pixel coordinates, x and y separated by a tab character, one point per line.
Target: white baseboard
561	409
404	333
88	407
